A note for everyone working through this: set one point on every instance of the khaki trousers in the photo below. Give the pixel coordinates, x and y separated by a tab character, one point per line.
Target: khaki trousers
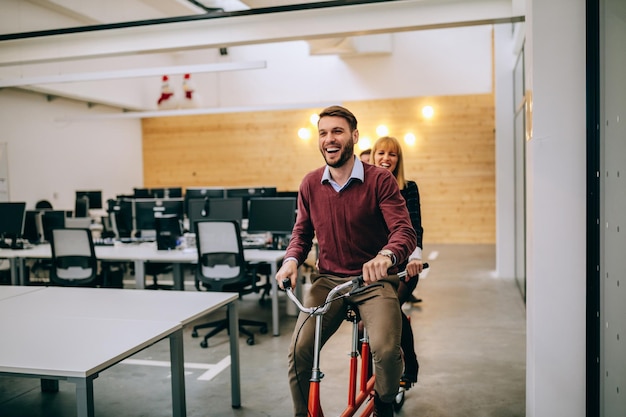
380	313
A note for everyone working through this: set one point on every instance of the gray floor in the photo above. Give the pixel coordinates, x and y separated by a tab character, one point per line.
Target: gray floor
470	337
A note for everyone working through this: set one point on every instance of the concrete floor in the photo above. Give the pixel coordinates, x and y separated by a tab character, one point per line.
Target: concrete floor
470	339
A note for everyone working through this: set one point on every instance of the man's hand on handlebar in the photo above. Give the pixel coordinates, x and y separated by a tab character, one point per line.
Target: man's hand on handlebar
376	269
288	270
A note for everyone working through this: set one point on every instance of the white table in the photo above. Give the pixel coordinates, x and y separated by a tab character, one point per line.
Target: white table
88	330
147	252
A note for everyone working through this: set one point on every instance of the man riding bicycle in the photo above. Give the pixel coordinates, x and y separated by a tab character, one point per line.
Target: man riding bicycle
362	226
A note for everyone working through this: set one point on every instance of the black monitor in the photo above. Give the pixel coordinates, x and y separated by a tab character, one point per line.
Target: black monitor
272	214
248	193
11	222
174	206
213	209
33	227
142	193
146	209
201	192
167	192
94	198
52	219
144	214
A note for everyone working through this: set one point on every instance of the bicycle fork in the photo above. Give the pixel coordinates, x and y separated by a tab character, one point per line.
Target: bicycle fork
364	376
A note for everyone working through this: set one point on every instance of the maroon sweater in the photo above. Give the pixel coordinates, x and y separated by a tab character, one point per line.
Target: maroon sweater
352	225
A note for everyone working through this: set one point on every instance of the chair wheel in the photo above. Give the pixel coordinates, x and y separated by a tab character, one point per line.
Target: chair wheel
194	333
263	330
204	344
250	341
399	400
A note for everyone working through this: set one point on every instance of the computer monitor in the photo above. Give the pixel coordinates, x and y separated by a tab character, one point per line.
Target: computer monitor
33	226
203	192
11	222
248	193
213	209
146	209
143	218
272	214
142	193
52	219
94	198
167	192
170	206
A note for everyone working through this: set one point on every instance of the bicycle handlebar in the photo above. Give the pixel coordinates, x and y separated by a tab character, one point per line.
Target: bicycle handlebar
355	284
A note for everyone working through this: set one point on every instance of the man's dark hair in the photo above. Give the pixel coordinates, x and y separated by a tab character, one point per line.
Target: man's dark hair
338	111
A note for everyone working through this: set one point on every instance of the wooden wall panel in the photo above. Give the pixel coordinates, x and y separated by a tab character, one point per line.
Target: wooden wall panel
453	159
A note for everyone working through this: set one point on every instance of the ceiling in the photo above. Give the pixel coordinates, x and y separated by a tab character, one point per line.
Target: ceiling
43	39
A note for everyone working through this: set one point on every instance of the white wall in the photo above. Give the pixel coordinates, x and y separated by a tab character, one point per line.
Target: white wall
556	186
50	159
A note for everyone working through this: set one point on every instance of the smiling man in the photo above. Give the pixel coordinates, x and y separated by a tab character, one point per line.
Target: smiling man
362	226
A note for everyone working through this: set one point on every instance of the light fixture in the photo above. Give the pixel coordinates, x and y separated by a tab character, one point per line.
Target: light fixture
304	133
382	130
314	119
409	139
364	143
133	73
428	111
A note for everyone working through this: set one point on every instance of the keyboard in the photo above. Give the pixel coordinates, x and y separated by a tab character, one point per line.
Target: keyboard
107	241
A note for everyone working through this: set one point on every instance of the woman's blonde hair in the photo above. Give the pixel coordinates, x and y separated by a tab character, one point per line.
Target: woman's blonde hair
389	143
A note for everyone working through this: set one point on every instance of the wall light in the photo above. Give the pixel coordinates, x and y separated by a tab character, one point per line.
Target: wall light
314	119
364	143
304	133
409	139
428	111
382	130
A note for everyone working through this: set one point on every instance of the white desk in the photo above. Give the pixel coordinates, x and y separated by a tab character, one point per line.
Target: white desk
147	252
88	330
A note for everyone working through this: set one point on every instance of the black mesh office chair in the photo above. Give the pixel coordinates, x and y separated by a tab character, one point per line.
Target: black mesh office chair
222	267
74	261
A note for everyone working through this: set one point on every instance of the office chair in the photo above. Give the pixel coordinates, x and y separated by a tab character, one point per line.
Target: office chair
43	204
222	267
74	261
154	269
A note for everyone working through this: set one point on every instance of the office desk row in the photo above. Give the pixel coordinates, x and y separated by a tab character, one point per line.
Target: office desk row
91	329
139	254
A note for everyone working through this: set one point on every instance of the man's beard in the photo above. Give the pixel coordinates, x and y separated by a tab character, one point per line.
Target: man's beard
346	154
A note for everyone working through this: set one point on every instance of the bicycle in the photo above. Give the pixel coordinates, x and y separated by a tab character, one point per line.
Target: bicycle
362	374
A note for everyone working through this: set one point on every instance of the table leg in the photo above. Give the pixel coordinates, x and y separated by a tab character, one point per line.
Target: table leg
233	328
140	275
177	364
274	295
17	274
84	396
179	276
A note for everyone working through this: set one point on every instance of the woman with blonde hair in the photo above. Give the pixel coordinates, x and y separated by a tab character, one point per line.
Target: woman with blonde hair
387	153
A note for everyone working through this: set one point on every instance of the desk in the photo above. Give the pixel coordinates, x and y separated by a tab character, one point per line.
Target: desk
95	328
147	252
